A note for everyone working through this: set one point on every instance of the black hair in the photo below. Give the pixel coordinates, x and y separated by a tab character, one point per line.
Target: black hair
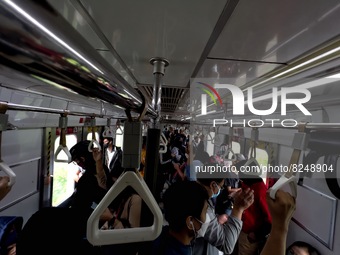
202	156
79	150
201	176
246	178
183	199
311	250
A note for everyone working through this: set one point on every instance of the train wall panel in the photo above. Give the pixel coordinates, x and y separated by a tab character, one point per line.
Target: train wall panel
25	208
21	145
26	182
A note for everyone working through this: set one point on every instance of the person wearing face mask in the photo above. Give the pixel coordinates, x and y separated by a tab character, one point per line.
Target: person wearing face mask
185	207
220	235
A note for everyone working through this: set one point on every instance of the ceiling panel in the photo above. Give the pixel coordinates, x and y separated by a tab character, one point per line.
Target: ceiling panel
239	71
140	30
276	30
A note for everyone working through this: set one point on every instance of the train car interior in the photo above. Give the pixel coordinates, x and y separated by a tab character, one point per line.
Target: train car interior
258	78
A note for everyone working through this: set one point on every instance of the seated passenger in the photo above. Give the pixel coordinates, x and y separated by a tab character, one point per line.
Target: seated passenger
301	248
185	205
281	210
10	228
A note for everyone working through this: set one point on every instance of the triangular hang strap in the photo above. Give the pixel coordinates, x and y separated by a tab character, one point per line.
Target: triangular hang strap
97	236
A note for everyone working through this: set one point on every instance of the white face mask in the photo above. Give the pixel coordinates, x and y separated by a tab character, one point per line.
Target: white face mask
204	227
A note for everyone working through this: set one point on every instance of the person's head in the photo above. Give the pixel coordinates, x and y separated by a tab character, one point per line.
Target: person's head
244	177
82	156
108	141
185	206
301	248
213	185
203	157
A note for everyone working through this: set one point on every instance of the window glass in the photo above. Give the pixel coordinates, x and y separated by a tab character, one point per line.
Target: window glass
236	147
262	159
63	173
120	137
89	136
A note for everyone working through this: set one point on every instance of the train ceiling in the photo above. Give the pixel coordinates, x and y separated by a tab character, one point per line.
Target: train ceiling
243	40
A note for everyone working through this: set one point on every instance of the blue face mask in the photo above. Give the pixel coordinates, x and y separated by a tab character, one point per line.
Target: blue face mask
218	192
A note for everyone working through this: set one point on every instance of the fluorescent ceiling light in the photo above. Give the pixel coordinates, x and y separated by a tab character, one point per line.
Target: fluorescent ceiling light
43	28
299	66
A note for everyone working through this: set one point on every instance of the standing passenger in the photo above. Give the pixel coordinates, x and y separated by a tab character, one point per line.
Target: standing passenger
222	232
113	158
185	205
88	193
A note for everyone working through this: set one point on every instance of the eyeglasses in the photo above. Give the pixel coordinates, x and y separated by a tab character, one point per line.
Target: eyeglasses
77	162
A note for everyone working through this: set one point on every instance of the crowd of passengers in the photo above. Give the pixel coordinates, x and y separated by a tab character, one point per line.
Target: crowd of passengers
210	216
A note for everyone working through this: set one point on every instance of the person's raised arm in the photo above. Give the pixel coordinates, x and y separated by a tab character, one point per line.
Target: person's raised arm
101	176
242	200
224	236
281	210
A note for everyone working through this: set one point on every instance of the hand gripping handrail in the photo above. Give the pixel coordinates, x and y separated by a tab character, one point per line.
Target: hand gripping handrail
94	140
118	127
252	161
163	143
4	167
98	236
12	176
300	143
62	142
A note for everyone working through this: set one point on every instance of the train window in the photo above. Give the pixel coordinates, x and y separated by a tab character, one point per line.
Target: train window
63	173
236	147
210	145
119	137
262	159
89	136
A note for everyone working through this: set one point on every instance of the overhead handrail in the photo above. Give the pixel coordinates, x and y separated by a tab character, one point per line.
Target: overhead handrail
118	127
98	236
3	166
252	161
299	144
210	138
163	144
230	145
94	140
108	132
62	142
